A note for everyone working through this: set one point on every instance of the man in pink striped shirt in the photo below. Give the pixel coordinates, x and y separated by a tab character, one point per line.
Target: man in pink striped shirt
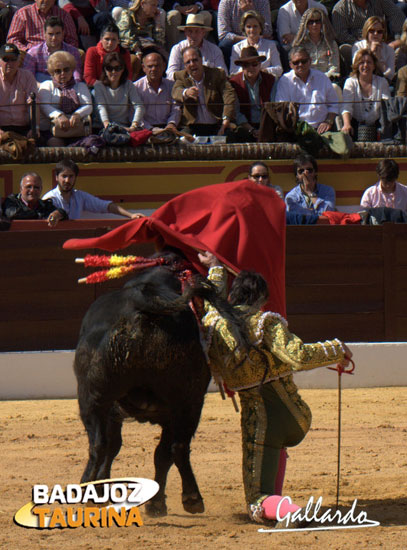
27	26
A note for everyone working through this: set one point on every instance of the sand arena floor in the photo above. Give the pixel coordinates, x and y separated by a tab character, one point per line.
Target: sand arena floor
44	442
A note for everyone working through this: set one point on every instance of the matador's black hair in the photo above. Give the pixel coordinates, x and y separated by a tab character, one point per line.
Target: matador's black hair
249	289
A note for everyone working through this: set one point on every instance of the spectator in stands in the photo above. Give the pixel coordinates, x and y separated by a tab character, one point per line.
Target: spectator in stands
109	42
195	31
65	104
309	196
16	85
349	16
139	26
253	88
90	17
208	99
154	90
289	19
401	83
387	191
317	36
27	205
252	26
27	26
318	102
259	173
230	14
374	39
142	30
7	10
401	51
119	5
74	201
362	93
178	12
116	97
36	57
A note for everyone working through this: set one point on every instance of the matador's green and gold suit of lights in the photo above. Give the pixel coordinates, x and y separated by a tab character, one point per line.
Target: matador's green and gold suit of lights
273	414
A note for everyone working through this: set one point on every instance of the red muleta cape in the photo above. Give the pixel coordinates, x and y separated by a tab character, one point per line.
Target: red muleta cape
242	223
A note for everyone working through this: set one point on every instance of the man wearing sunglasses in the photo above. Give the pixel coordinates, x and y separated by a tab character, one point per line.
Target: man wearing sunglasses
259	173
311	89
16	85
309	196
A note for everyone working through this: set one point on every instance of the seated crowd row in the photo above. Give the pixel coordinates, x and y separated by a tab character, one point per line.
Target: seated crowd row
306	203
190	89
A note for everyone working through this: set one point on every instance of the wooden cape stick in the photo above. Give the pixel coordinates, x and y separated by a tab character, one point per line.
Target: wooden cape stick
339	369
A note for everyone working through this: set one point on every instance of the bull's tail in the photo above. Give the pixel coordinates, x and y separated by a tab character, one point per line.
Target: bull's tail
168	304
198	288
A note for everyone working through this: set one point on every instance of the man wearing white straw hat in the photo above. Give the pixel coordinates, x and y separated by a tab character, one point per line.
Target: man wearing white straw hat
195	31
177	13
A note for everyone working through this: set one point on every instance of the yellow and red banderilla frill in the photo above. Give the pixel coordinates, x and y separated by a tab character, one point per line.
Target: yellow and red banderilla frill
119	266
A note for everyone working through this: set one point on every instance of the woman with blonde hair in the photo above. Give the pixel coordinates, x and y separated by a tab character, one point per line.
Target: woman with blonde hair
252	26
374	34
362	93
317	36
401	51
65	104
140	26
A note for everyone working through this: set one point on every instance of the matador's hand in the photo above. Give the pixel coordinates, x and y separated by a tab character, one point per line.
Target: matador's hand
208	259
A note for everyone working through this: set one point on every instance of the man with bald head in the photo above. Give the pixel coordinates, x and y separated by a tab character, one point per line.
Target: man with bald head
155	92
27	205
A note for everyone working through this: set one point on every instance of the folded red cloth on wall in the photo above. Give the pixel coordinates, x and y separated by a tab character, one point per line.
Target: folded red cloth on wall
342	218
139	137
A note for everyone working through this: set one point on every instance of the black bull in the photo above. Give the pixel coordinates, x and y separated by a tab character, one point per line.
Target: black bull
140	355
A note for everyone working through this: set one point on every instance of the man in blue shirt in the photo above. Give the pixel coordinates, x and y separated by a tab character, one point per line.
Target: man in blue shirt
74	201
309	196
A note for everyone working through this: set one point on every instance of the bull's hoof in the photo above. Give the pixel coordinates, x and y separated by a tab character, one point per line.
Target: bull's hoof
156	508
193	503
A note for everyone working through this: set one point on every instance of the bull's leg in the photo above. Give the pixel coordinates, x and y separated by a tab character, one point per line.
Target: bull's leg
191	497
104	438
113	445
192	500
94	425
163	460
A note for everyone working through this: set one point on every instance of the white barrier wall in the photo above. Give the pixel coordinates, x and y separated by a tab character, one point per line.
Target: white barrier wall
49	374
